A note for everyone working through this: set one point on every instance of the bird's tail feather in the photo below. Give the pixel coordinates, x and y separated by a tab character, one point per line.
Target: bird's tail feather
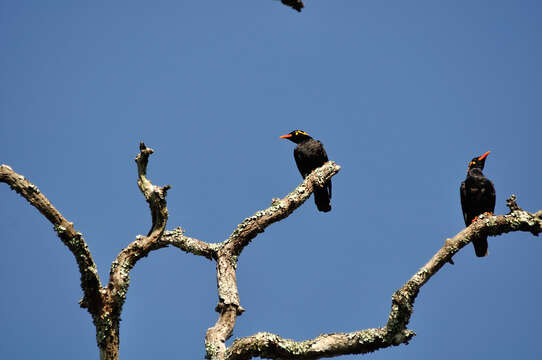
480	246
322	199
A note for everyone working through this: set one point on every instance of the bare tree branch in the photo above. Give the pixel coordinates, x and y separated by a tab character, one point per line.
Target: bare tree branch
177	238
270	346
107	322
105	304
516	220
228	295
90	281
156	198
279	209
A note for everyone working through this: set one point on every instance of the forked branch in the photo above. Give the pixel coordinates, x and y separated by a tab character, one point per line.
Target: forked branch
105	304
228	295
156	198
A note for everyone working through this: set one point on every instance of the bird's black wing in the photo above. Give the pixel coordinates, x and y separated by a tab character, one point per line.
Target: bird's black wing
324	157
464	206
477	197
302	162
308	156
323	153
492	196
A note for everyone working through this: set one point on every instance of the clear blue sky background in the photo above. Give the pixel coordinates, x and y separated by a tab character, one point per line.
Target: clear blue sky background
401	93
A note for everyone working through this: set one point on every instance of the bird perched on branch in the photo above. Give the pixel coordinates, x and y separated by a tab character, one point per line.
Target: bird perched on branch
477	197
310	154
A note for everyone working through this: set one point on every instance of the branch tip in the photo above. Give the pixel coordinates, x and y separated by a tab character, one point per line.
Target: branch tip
511	203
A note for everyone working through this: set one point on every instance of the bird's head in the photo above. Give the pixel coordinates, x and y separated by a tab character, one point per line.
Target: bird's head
478	162
296	136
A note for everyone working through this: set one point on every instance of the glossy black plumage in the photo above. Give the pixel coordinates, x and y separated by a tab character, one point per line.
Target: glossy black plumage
310	154
477	197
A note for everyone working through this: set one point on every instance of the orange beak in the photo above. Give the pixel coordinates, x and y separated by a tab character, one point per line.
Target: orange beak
285	136
484	156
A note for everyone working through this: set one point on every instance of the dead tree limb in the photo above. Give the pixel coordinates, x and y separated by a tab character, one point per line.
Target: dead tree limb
395	332
90	281
229	306
105	303
107	321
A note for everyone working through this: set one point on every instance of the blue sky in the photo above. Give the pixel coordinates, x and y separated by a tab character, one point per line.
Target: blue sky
402	94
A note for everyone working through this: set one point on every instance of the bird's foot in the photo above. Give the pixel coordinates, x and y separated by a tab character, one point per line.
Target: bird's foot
487	213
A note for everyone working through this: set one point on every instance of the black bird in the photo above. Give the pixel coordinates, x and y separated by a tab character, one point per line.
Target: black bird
477	197
310	154
295	4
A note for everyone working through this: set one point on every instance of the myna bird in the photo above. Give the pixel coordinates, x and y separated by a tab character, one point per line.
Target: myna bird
477	197
310	154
